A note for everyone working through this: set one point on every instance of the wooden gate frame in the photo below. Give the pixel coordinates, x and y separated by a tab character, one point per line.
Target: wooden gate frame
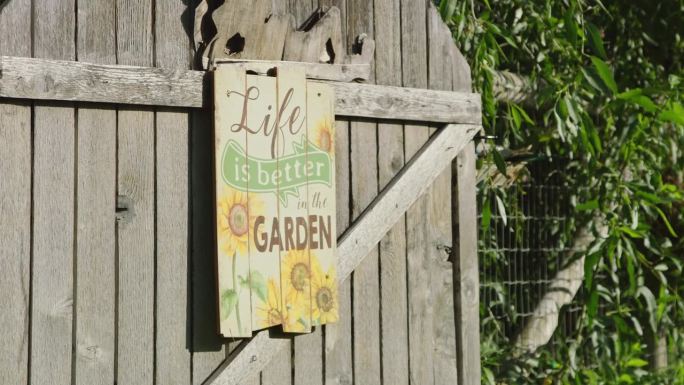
43	79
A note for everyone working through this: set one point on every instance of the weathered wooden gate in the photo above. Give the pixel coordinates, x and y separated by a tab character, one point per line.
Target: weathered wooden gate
106	245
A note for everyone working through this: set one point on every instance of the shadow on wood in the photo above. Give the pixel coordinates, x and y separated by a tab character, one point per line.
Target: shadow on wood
203	315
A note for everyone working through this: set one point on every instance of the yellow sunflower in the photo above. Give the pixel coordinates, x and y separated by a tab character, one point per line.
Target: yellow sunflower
324	137
236	214
270	313
324	306
296	282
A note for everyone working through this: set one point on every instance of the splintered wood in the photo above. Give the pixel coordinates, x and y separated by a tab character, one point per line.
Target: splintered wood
275	202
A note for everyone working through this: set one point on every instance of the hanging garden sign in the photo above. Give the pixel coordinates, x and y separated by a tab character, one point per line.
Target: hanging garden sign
275	201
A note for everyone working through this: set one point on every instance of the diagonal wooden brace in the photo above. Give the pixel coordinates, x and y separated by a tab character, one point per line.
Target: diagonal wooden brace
387	208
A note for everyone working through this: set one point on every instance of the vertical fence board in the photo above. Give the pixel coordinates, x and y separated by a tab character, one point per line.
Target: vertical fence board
337	337
208	350
172	49
337	340
394	329
364	188
53	205
414	60
466	277
439	215
308	349
96	188
465	269
15	206
136	188
279	371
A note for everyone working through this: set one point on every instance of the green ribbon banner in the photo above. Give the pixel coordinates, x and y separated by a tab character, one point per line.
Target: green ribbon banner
307	165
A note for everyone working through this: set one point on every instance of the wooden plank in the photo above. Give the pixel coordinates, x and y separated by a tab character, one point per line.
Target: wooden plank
279	371
247	30
321	204
420	311
173	361
465	259
335	72
53	202
295	266
207	347
96	185
232	209
337	337
393	305
136	190
43	79
15	205
381	215
265	264
466	275
439	217
364	188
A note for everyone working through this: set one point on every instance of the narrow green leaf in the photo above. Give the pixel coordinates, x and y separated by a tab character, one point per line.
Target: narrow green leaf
592	305
630	232
631	275
605	73
666	221
674	115
588	206
592	78
486	214
636	363
637	97
590	263
517	120
502	210
499	161
596	42
651	305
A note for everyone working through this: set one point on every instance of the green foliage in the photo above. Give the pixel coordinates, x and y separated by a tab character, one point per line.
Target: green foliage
609	100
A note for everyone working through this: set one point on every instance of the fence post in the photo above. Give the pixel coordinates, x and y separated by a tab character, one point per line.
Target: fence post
466	274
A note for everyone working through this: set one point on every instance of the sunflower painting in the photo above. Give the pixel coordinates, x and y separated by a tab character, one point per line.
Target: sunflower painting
270	312
324	135
274	202
237	212
235	217
324	302
296	288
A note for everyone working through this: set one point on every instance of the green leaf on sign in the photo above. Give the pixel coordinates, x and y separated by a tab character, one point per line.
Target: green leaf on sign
258	284
228	301
605	73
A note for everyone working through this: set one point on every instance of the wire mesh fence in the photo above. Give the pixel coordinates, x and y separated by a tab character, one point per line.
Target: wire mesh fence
521	251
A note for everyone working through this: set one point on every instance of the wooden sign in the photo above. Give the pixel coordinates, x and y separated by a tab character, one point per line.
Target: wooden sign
275	202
